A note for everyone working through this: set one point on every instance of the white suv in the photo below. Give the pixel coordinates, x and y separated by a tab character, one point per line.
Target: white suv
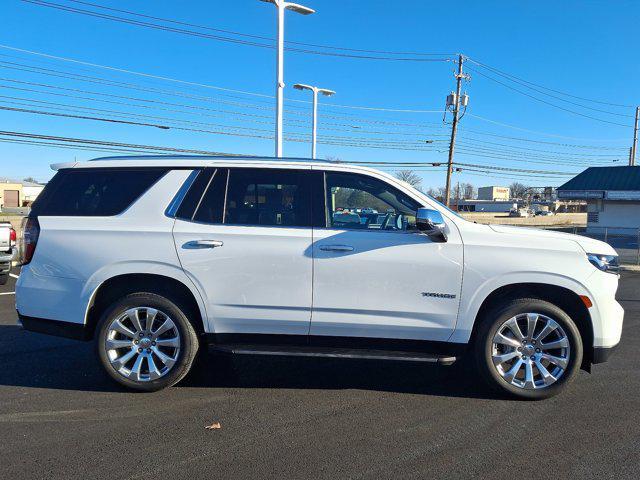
156	257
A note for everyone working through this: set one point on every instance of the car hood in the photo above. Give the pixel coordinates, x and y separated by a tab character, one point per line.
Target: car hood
589	245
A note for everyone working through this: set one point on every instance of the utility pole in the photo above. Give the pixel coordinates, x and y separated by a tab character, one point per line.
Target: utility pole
634	148
454	127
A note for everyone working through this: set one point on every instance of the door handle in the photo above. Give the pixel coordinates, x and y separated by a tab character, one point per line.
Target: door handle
336	248
203	244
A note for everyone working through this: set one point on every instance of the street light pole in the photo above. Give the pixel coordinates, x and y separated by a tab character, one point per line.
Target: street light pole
281	5
314	121
634	145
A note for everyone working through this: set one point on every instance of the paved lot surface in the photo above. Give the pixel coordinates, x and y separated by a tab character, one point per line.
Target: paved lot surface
60	417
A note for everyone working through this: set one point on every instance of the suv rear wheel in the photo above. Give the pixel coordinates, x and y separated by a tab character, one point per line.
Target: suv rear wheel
146	342
528	348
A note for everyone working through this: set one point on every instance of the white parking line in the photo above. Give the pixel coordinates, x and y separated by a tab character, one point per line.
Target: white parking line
13	275
7	293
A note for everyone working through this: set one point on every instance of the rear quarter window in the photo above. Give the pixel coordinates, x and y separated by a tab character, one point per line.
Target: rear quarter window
94	192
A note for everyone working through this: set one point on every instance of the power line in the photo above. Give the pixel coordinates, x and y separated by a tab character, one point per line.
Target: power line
534	153
203	85
129	85
540	142
209	36
508	169
548	103
75	140
560	98
260	37
508	75
525	129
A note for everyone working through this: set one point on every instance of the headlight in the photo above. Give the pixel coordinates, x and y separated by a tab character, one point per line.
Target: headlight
606	263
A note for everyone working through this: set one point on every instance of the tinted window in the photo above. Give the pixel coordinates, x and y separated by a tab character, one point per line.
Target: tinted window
365	203
192	198
94	191
211	206
269	197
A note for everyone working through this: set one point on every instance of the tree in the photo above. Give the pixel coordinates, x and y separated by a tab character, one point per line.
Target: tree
518	190
468	191
30	179
410	177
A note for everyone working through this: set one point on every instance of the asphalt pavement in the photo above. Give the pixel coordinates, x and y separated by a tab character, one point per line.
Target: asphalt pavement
61	417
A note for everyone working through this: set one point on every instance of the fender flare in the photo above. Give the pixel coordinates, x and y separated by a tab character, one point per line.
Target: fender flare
93	284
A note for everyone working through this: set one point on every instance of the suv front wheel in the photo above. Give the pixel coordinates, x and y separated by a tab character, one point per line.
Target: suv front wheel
528	348
146	342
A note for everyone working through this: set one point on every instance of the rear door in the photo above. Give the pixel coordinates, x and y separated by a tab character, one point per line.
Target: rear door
375	276
246	243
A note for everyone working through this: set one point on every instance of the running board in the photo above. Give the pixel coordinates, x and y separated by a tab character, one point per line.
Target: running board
295	351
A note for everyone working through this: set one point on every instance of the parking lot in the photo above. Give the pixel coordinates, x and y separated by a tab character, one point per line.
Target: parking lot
61	417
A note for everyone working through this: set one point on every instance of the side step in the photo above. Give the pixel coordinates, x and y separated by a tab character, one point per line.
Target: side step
297	351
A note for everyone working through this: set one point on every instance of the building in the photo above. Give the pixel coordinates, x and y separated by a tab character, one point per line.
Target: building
30	191
485	206
612	195
494	193
16	194
11	194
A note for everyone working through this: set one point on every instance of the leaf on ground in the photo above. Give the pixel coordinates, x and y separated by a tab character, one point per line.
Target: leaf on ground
214	426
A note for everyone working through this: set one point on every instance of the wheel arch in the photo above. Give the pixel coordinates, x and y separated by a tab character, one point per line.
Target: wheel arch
563	297
117	286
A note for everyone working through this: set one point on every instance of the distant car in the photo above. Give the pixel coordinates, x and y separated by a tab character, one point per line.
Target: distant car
345	217
368	210
521	213
544	213
7	250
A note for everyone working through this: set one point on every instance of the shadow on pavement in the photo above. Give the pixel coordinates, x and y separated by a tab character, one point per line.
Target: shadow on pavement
32	360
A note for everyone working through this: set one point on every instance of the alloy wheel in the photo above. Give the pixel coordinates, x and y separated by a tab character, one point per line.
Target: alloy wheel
142	344
531	351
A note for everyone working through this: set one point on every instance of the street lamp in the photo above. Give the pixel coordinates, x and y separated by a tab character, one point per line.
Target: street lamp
282	6
314	123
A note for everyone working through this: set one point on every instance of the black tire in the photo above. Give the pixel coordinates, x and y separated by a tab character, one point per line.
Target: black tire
495	318
4	279
189	344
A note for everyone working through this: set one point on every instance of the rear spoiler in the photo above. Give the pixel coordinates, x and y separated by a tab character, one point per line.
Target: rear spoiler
60	166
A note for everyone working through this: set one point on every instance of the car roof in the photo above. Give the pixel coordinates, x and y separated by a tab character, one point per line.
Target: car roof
195	161
183	161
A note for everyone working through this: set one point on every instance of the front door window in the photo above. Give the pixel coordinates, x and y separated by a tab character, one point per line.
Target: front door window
357	202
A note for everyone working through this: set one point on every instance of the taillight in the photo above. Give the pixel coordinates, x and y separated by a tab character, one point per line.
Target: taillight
30	234
12	237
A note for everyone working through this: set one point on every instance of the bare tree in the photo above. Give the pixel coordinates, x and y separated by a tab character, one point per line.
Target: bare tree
518	190
410	177
468	191
30	179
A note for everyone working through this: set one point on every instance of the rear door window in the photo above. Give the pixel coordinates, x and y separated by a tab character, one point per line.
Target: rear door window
93	192
269	197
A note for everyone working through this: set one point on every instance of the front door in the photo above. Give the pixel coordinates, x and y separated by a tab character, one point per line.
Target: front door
374	274
247	246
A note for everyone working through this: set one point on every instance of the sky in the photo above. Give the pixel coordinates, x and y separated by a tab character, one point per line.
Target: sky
578	59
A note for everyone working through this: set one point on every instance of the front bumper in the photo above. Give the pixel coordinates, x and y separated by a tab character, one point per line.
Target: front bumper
5	262
5	267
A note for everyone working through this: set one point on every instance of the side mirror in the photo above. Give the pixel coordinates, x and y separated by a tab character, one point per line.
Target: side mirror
432	223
